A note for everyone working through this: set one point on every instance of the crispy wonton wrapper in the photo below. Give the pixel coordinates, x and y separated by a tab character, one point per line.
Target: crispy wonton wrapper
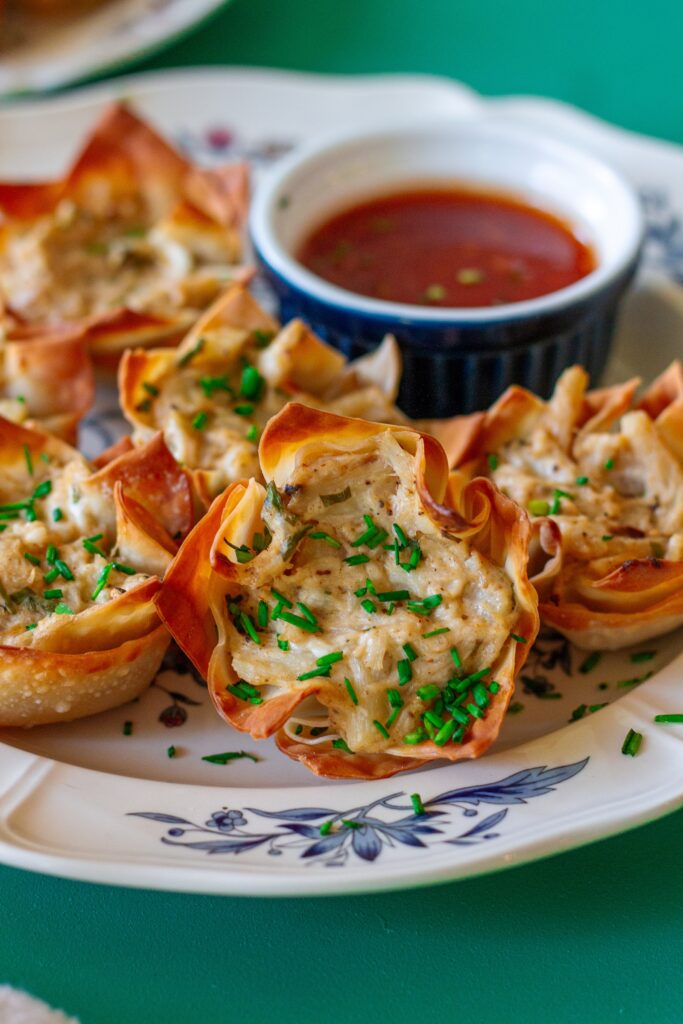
464	569
65	654
125	172
608	561
192	393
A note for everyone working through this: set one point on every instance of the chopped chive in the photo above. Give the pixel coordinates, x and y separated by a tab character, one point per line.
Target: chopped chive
299	729
518	638
42	490
436	632
631	744
494	687
481	697
368	606
283	644
170	751
429	692
596	707
350	690
31	558
63	609
228	756
51	554
445	733
51	575
251	383
53	594
405	672
57	515
28	459
643	656
394	698
674	719
582	481
249	628
589	664
361	592
515	708
262	614
475	711
492	461
426	605
460	715
416	736
633	682
262	339
321	535
341	744
418	806
150	389
393	595
400	533
243	410
410	652
200	420
252	433
434	718
356	559
330	659
211	384
243	691
30	514
93	549
325	828
335	499
538	507
298	620
127	728
609	465
389	610
63	569
607	536
380	728
127	570
281	597
32	625
187	357
456	657
102	581
578	713
307	613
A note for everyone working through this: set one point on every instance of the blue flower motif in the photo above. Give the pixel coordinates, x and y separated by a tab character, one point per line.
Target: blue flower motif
332	837
226	821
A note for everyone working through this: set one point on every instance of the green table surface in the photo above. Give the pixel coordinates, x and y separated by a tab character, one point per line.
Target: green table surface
591	935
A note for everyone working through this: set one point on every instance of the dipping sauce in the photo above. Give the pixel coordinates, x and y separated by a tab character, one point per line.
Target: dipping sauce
447	247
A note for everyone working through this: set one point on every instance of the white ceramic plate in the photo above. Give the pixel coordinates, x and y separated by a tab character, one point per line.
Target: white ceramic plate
86	801
42	53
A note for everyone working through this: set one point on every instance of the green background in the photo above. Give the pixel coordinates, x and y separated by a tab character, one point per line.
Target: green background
592	935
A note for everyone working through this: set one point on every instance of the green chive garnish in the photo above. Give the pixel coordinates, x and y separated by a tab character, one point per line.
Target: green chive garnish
325	828
252	433
298	620
211	384
393	595
127	728
63	609
249	628
631	744
429	692
380	728
405	672
102	581
341	744
170	751
321	535
307	613
445	733
492	461
674	719
436	632
582	481
456	657
418	806
643	656
42	490
251	384
200	420
32	625
350	690
518	638
63	569
57	514
610	465
194	351
589	664
28	459
228	756
244	409
150	389
31	558
262	614
400	533
410	652
283	644
368	606
314	673
356	559
53	594
331	658
538	507
335	499
607	536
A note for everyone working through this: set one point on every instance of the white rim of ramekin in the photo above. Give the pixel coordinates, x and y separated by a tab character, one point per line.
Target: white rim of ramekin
279	260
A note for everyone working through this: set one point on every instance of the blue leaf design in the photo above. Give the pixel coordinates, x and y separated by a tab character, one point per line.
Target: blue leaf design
327	843
487	824
310	831
166	819
366	843
295	813
515	789
402	835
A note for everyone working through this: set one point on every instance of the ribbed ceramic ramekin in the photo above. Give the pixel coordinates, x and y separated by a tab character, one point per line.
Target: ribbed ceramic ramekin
455	359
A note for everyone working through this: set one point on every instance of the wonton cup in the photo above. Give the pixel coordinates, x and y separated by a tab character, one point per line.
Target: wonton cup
132	244
47	380
263	588
191	394
605	476
81	556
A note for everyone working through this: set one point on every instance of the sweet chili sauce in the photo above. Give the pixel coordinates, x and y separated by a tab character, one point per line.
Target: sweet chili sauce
447	247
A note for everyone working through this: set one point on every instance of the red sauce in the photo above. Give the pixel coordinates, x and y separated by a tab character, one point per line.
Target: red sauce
452	247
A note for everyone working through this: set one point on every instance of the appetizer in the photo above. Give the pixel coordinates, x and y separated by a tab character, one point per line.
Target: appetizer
134	242
81	553
47	380
349	612
603	480
236	369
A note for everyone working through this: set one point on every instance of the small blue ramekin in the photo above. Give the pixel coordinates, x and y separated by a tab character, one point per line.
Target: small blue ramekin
455	360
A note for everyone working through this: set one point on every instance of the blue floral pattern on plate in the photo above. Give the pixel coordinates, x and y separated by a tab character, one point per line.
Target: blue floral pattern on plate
359	832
